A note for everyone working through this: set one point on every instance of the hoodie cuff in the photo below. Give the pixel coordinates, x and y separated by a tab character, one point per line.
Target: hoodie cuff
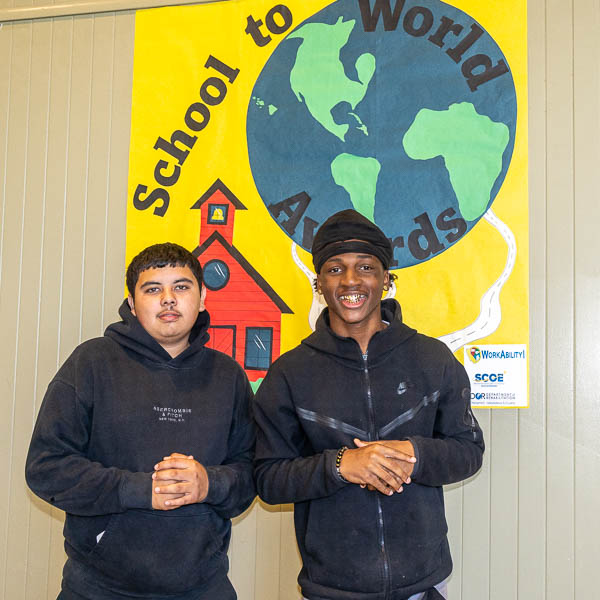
417	468
217	488
136	490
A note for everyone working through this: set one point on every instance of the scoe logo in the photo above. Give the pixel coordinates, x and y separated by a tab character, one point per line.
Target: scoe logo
489	377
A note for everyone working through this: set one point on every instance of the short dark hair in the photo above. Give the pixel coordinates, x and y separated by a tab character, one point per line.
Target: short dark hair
159	256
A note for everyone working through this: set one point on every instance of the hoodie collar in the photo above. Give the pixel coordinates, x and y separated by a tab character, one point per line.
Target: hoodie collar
326	340
130	334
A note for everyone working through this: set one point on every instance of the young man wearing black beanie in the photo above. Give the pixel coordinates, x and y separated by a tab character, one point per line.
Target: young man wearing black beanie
360	426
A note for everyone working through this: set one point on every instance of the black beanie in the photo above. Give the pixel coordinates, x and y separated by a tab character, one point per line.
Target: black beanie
334	235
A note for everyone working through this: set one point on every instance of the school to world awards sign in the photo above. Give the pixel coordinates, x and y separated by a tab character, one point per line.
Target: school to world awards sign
253	122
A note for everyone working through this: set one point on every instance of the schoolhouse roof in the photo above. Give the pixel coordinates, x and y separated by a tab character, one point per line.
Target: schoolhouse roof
216	237
219	186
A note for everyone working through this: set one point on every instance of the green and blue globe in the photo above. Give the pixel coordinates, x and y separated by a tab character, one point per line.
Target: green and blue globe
408	116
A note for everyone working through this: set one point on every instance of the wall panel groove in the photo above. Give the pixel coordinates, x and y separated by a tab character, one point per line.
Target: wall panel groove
10	293
33	238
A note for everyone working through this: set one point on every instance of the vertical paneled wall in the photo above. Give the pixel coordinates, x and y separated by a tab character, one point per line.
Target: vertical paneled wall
526	527
65	88
586	296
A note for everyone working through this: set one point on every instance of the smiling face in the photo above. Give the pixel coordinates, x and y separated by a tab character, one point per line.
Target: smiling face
166	303
352	285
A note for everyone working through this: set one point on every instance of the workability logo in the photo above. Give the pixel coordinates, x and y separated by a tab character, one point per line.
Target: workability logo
474	354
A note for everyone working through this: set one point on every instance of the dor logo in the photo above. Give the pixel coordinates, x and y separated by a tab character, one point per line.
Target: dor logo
404	111
474	354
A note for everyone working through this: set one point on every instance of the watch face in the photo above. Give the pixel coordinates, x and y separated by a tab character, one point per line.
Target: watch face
215	274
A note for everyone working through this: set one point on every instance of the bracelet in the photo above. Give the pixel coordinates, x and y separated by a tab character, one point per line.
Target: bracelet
338	462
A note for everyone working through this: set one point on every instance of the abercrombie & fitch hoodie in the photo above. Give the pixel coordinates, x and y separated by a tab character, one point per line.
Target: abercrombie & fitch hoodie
117	406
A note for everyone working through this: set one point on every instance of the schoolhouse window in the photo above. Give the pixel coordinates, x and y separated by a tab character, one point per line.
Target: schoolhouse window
259	341
215	274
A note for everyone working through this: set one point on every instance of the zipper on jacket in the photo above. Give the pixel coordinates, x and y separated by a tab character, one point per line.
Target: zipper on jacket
372	428
373	437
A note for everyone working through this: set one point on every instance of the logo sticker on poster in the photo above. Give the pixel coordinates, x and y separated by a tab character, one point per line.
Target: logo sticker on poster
498	375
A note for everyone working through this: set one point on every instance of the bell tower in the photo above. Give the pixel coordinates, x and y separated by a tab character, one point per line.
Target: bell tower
217	212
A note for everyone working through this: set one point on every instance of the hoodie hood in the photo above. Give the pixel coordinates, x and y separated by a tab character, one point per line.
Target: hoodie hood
324	339
130	334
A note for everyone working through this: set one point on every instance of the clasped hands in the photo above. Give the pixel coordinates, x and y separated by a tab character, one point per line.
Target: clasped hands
384	465
177	480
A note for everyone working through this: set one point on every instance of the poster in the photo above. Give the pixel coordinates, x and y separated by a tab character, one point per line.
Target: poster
252	122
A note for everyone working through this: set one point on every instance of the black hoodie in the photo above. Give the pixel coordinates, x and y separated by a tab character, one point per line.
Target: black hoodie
116	407
357	544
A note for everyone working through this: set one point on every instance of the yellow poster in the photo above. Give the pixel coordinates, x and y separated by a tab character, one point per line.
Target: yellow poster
253	122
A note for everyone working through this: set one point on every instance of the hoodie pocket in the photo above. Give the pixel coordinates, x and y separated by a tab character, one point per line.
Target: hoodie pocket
341	549
160	552
416	534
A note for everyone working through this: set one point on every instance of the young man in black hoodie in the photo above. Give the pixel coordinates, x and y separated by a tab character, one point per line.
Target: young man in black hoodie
360	426
145	440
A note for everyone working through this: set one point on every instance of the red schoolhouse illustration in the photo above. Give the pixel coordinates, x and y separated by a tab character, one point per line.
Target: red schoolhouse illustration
245	311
